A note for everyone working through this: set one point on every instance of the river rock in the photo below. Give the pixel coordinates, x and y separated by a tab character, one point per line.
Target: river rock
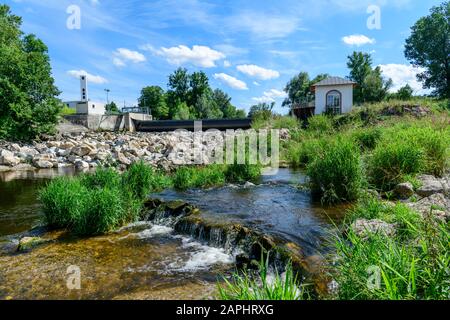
81	165
82	150
27	243
122	159
404	190
363	228
9	160
437	205
43	164
430	186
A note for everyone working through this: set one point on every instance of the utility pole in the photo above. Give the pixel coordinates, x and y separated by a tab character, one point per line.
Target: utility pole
107	95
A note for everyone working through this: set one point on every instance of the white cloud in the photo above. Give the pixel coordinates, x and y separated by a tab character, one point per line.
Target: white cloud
270	96
402	74
199	56
123	55
258	72
256	83
231	81
263	25
226	64
357	40
91	78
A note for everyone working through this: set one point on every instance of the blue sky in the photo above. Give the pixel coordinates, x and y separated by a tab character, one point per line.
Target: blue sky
250	49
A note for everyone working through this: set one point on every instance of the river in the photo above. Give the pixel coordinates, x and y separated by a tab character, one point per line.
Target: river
143	260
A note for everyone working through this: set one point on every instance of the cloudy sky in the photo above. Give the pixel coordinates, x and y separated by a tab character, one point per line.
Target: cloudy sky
250	49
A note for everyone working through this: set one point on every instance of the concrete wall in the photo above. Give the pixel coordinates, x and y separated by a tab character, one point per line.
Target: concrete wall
347	97
107	122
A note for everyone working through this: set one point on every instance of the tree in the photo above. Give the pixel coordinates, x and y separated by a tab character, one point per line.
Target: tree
154	97
375	88
299	88
112	107
181	112
199	85
28	95
429	47
371	86
261	111
405	93
360	65
179	82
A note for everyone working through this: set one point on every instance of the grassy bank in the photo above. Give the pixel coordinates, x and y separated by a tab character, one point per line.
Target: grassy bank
101	202
375	146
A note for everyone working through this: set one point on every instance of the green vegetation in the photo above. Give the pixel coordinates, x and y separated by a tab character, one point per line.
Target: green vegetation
28	103
105	200
428	47
389	144
335	170
413	264
262	286
189	96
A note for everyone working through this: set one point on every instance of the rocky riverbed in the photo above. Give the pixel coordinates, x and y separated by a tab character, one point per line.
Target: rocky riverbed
92	149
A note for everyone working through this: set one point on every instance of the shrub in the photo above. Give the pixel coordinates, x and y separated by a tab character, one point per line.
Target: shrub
138	180
335	170
183	178
391	161
239	173
286	122
320	123
64	199
102	178
104	211
368	138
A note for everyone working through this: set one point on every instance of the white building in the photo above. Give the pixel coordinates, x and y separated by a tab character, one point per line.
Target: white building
84	106
334	95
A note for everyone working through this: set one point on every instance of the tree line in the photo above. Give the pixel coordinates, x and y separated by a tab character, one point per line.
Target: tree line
29	104
189	96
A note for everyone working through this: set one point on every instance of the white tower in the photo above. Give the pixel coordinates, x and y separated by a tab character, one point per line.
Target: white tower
84	88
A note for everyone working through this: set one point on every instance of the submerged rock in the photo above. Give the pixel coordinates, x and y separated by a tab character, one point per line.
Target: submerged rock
27	243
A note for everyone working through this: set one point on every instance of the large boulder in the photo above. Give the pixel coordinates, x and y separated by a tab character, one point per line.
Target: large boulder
81	165
364	228
430	186
404	190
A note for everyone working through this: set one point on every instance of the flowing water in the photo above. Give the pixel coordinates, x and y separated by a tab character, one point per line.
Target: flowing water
143	260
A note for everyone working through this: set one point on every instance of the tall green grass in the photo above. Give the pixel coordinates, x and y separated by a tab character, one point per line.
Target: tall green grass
335	170
262	286
97	203
407	270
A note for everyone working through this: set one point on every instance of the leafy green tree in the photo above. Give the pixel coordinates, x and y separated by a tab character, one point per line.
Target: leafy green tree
154	97
199	86
179	83
181	112
299	88
360	65
112	107
404	93
261	111
28	95
429	47
375	88
371	86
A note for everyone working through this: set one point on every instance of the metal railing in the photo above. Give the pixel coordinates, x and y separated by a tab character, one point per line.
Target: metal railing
143	110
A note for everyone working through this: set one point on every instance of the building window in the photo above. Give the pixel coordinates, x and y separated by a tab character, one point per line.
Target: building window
93	106
334	102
